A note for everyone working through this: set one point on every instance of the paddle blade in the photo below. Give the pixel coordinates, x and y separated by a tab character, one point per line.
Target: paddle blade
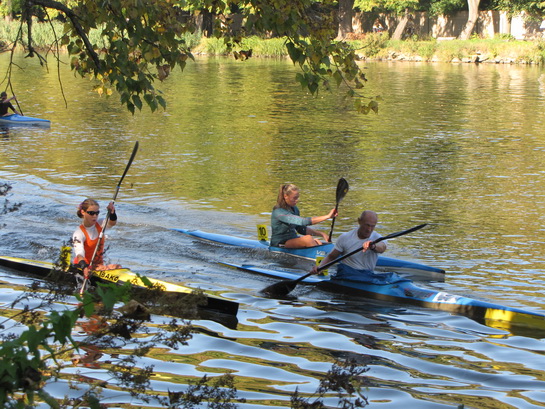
283	288
280	289
342	189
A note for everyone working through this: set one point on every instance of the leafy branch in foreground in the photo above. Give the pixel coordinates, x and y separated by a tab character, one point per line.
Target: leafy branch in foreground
42	345
7	208
52	344
39	355
346	380
143	41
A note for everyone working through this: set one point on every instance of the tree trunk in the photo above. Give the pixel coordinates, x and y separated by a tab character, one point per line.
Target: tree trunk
204	21
398	33
345	18
471	19
508	25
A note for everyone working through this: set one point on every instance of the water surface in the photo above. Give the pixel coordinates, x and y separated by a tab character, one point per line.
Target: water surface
459	147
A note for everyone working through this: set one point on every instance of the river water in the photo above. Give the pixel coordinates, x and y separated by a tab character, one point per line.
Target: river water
460	147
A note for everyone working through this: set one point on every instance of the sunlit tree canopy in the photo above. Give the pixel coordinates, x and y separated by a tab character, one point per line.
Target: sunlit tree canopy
142	41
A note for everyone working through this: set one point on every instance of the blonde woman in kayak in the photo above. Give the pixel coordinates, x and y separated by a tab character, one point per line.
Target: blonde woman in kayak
287	223
86	237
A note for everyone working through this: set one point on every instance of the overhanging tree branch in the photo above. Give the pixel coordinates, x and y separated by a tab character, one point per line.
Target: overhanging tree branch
140	42
74	19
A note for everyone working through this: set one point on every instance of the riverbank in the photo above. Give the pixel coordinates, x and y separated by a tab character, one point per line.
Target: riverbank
477	50
372	46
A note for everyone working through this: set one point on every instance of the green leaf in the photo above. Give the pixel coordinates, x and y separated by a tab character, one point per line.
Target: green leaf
88	304
33	339
338	77
302	79
137	102
293	52
313	87
162	101
62	325
108	295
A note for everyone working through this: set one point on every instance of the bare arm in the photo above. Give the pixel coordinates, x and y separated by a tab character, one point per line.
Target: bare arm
333	255
314	232
318	219
377	248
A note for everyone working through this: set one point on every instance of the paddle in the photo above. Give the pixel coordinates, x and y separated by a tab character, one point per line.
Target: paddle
342	189
18	106
105	222
285	287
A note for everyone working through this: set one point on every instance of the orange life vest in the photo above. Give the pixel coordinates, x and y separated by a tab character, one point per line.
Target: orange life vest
89	246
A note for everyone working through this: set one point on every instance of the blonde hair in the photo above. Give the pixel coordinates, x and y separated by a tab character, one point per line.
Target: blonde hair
83	206
285	189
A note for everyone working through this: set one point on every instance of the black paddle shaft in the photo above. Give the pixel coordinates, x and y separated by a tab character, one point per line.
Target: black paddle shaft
284	287
107	218
389	236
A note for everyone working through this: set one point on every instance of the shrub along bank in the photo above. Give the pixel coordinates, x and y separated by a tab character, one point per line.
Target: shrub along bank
476	50
372	46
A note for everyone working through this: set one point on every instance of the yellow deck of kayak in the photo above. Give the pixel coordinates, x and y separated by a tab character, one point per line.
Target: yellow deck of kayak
121	275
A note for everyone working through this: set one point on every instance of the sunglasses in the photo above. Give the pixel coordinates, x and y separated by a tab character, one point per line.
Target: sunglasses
93	213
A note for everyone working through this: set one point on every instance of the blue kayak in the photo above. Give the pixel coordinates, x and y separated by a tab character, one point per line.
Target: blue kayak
401	290
16	119
416	271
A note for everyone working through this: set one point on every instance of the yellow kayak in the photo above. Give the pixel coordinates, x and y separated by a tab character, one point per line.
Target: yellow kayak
122	275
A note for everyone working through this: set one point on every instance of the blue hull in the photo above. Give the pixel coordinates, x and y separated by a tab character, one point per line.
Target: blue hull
415	270
407	292
16	119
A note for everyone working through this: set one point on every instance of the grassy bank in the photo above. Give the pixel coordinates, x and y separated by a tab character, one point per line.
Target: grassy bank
371	46
495	50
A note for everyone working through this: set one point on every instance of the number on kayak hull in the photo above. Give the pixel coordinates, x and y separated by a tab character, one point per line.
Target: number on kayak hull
262	232
324	272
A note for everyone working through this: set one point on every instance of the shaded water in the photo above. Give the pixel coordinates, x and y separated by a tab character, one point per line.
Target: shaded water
459	147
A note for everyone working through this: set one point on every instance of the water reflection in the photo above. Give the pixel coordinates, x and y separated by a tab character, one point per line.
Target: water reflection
4	132
456	146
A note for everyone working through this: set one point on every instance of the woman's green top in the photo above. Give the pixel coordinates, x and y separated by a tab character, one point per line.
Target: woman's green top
285	224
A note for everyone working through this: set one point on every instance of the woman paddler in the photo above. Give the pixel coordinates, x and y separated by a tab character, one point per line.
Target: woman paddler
86	237
286	221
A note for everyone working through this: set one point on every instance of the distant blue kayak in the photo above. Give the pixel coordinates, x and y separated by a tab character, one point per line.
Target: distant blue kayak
405	291
16	119
416	271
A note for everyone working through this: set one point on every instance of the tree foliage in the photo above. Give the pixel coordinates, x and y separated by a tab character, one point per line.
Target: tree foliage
533	7
385	6
142	41
437	7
